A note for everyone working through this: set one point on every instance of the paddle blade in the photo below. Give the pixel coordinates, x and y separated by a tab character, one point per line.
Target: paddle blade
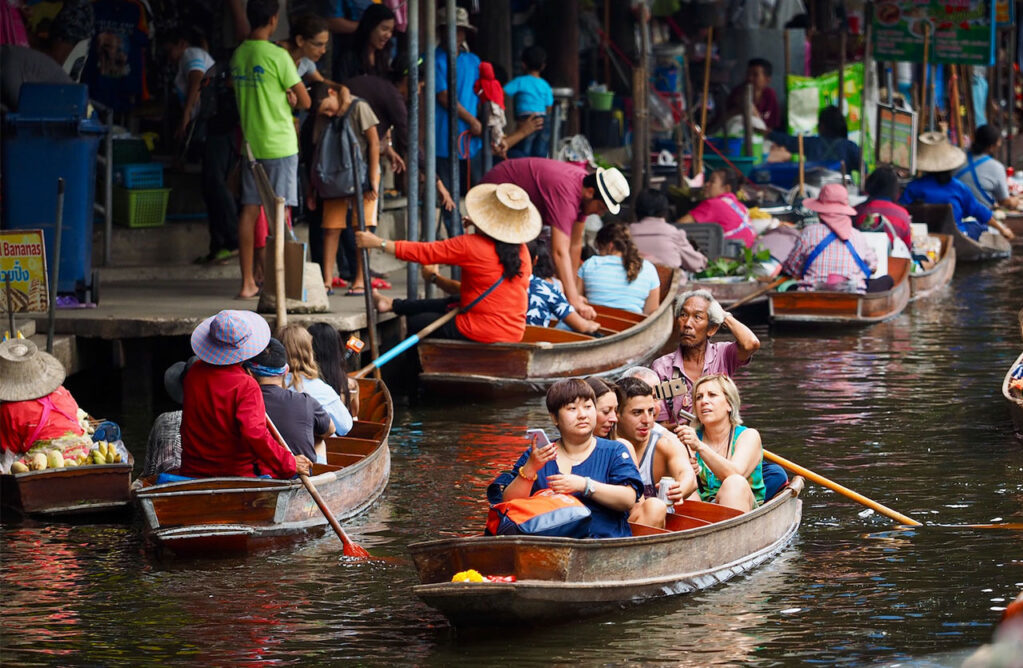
356	551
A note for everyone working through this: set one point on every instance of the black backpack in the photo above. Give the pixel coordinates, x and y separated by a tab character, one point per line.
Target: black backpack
217	103
333	173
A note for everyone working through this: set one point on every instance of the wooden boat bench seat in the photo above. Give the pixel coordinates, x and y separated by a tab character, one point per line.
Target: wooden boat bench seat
645	529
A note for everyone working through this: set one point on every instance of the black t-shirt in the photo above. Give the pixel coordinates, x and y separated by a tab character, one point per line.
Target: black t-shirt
298	417
387	104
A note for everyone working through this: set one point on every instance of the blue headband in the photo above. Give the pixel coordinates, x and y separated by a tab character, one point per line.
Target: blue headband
265	371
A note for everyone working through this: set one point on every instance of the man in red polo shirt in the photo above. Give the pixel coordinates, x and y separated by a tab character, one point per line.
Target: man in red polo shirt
223	420
565	194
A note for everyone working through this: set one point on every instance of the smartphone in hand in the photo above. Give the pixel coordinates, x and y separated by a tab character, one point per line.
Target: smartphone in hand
538	437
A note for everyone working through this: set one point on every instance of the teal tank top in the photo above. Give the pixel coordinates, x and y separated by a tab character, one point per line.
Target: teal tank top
709	483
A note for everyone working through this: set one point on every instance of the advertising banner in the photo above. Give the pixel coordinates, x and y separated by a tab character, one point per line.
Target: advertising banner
23	260
961	31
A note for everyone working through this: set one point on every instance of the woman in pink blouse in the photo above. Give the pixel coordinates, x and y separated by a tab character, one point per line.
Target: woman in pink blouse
721	206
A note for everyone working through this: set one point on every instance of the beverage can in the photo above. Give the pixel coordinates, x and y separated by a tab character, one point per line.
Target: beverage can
663	485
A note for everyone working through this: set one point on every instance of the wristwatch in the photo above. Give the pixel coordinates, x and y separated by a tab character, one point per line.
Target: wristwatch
383	245
588	490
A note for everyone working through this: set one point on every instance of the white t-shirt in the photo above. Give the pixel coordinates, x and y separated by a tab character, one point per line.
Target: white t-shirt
193	59
305	66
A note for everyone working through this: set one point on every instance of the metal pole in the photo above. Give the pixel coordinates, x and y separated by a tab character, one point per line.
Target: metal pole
279	279
430	128
890	83
488	153
58	225
412	210
452	49
10	306
108	191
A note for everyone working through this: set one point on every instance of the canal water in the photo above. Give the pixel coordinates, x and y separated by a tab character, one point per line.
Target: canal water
907	412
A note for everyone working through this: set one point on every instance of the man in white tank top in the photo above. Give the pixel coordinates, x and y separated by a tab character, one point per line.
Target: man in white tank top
657	452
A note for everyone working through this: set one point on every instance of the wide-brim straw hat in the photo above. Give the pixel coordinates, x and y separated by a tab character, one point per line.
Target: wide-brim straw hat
833	198
503	212
230	337
934	153
27	372
613	188
461	18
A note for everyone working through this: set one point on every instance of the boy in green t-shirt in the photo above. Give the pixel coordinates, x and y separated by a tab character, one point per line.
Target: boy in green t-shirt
267	87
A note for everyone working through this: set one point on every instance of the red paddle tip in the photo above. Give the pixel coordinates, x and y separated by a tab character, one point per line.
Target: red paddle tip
357	551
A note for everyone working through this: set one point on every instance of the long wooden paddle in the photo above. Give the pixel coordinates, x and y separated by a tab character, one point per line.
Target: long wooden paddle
844	491
367	277
821	480
351	549
407	343
762	291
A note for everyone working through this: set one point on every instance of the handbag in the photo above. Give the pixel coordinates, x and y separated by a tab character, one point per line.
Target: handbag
545	513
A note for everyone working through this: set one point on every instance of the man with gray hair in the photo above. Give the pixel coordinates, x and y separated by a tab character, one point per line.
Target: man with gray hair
699	317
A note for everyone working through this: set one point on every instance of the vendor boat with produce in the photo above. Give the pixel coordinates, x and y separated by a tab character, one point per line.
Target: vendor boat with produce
56	461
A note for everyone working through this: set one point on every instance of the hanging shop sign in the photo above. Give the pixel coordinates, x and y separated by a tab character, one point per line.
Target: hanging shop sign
961	31
1005	13
23	261
896	137
808	95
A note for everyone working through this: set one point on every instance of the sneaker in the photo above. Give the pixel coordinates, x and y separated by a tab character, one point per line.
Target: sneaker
223	255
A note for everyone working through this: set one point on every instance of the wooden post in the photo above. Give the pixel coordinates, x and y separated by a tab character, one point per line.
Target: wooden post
703	112
606	38
412	209
841	70
802	167
58	226
279	297
953	103
785	74
640	152
922	97
869	70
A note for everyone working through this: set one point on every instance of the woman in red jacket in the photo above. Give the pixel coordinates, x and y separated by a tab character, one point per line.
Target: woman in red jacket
495	267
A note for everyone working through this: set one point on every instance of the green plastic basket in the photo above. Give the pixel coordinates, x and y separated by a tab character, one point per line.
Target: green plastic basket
140	208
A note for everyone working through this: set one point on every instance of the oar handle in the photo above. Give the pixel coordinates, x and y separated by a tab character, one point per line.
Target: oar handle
407	343
350	548
762	291
845	491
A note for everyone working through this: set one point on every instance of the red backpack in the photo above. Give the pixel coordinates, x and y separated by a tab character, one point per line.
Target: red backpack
546	513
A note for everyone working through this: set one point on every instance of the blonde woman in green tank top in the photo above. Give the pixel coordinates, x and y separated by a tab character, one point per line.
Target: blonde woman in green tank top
726	456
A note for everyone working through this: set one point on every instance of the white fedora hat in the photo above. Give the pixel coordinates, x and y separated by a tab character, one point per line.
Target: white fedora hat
934	153
613	188
503	212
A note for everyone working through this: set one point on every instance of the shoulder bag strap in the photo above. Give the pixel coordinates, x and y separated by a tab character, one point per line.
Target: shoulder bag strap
971	167
859	261
818	249
484	294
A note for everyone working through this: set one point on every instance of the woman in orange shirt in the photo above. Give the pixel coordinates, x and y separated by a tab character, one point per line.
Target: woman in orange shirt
495	268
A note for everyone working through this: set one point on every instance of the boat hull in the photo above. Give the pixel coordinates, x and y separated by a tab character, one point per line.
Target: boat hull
941	220
1014	221
547	354
924	283
68	492
219	516
560	579
843	308
1015	405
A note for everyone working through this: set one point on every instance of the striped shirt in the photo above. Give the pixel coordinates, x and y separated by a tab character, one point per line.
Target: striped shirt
606	283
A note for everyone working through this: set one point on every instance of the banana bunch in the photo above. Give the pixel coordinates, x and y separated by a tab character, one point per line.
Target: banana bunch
54	458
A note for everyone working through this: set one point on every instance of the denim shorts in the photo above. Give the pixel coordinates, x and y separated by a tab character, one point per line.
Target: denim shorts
283	175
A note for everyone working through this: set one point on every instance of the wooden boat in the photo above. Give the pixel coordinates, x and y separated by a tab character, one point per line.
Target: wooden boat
821	307
729	292
941	220
1014	221
68	492
213	516
924	283
1015	403
560	579
546	354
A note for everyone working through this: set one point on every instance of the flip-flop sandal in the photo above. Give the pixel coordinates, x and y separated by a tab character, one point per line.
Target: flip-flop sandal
381	284
356	292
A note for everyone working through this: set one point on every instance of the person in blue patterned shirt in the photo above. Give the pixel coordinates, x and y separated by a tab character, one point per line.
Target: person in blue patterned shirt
546	300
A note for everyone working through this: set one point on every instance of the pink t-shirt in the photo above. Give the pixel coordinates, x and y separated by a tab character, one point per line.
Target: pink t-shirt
728	212
554	187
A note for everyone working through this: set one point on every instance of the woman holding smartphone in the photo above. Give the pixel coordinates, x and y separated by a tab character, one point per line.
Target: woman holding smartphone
601	473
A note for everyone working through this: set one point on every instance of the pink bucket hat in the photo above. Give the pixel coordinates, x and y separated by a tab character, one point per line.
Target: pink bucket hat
230	337
834	198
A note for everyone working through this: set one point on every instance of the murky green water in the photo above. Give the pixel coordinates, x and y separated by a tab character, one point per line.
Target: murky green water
907	412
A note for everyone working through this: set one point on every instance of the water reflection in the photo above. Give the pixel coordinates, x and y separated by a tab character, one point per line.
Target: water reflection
907	412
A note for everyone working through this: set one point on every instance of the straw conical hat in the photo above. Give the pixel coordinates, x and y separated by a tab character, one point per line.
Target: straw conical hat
503	212
27	372
934	153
